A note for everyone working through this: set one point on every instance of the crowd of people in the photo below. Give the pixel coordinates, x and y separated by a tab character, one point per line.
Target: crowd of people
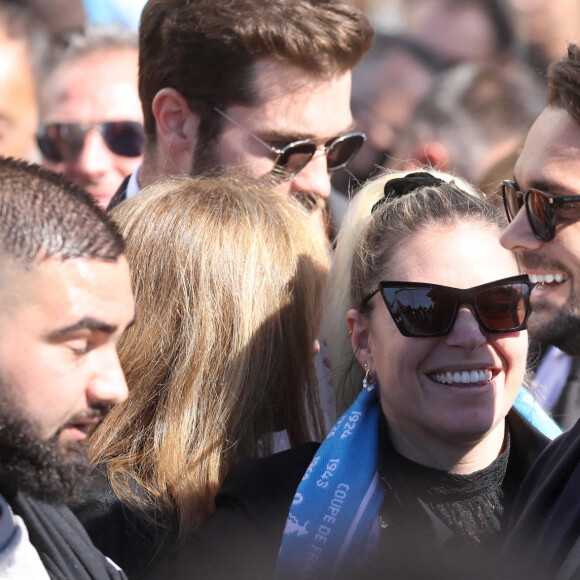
289	290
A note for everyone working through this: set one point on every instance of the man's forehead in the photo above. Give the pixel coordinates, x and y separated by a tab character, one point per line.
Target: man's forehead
550	158
69	287
297	100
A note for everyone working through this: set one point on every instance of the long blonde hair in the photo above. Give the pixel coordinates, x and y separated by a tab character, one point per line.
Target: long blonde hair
228	280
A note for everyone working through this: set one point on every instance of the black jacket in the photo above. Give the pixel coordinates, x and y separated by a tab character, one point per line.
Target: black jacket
120	194
242	538
544	537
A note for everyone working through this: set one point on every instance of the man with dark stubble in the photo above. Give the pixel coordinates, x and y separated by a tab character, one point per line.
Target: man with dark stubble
261	85
65	299
543	205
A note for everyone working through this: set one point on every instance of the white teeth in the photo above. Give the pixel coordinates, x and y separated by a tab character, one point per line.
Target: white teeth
463	377
547	278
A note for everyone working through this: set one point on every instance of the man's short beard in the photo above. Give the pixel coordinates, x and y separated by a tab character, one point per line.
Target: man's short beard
563	328
47	470
562	331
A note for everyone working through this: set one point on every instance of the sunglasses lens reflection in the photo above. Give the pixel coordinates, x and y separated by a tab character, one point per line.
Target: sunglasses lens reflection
503	307
343	150
421	311
539	211
513	200
124	138
295	157
61	142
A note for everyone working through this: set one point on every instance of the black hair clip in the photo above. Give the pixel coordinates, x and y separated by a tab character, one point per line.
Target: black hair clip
401	186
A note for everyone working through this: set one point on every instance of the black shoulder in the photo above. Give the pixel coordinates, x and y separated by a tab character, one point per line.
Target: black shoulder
120	533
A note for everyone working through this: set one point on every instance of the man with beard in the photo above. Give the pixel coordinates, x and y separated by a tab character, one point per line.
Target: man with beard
65	299
545	538
262	85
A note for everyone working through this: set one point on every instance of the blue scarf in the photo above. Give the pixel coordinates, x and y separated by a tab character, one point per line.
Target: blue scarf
335	511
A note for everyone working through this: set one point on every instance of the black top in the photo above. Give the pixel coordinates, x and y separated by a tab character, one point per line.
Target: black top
128	539
544	535
452	520
242	537
120	194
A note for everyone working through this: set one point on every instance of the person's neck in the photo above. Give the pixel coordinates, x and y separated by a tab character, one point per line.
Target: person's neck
157	162
461	458
148	171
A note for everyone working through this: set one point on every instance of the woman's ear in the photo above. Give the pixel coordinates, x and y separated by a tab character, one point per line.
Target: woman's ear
359	331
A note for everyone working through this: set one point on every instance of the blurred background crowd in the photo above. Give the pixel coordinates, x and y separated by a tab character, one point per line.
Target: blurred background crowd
454	84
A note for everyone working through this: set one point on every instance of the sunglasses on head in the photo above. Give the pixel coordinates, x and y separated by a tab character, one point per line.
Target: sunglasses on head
293	158
540	208
64	141
425	310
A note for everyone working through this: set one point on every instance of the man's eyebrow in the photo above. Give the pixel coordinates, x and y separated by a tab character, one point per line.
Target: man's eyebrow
542	185
86	323
287	137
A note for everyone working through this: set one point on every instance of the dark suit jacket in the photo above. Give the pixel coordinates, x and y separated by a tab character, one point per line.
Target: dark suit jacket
120	194
544	541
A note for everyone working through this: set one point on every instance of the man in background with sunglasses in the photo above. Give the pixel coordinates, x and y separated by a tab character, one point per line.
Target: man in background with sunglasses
264	86
543	206
91	126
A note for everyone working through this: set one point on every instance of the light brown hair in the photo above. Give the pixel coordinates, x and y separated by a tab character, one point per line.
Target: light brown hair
228	280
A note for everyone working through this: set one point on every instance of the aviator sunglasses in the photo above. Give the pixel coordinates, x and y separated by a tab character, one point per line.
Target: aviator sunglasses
426	310
293	157
540	208
64	141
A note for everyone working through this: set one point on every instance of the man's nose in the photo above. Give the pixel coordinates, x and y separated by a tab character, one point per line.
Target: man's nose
314	178
94	158
518	236
108	383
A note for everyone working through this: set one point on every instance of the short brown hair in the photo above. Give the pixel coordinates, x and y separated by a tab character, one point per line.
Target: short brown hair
564	83
205	49
43	215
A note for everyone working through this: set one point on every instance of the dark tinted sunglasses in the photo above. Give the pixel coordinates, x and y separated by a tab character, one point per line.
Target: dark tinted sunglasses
540	208
293	158
423	310
64	141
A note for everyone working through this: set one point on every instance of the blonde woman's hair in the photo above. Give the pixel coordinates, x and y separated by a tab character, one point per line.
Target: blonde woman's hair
228	280
368	241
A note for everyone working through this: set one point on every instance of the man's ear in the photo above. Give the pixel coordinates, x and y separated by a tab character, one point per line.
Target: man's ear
358	330
176	124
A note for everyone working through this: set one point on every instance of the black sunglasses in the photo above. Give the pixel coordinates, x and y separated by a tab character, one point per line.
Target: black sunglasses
293	158
424	310
540	208
64	141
